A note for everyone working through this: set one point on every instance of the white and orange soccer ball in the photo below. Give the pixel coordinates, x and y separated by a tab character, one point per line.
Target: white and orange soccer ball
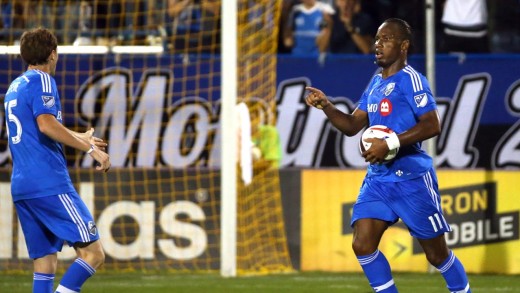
377	131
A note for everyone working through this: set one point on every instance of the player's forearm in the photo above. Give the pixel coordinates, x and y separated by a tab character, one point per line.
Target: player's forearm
78	135
67	139
56	131
427	127
348	124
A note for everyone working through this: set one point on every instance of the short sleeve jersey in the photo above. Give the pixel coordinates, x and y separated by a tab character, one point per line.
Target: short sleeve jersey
39	166
397	102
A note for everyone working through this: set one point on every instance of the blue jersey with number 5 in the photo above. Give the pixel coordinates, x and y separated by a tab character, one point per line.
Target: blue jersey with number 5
397	102
39	166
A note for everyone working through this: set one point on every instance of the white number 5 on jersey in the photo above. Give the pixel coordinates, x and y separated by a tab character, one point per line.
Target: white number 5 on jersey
12	118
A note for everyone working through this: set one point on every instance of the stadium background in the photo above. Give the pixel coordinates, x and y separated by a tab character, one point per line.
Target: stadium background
171	178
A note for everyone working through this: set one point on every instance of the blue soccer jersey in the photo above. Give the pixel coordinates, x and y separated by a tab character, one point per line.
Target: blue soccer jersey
397	102
39	166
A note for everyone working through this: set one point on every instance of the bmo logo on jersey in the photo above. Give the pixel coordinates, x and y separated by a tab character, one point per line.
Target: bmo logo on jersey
385	107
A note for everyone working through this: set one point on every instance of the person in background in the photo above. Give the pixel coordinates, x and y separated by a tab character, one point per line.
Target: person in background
308	28
465	26
265	136
352	30
286	8
405	188
195	25
100	23
49	209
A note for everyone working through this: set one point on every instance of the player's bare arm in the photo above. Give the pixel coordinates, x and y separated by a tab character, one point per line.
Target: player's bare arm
348	124
51	127
429	126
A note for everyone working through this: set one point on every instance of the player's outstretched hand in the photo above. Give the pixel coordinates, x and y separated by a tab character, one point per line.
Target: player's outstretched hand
316	98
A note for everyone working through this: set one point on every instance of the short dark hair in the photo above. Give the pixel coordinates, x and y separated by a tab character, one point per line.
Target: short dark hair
405	31
36	46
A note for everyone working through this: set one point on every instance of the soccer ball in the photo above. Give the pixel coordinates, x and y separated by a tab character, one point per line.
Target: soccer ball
377	131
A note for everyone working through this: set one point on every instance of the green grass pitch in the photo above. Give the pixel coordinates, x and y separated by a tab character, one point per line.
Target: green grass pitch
298	282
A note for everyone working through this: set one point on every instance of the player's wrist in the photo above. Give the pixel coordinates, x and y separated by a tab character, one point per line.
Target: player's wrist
392	141
325	105
91	149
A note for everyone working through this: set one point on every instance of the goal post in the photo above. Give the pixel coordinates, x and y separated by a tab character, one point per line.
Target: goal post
228	249
164	99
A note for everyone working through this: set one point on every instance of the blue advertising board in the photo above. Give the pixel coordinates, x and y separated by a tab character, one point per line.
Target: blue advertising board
478	99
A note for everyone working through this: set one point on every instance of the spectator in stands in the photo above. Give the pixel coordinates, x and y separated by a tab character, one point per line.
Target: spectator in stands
108	21
125	22
504	16
287	6
13	19
308	28
195	25
60	15
411	11
352	30
465	26
100	22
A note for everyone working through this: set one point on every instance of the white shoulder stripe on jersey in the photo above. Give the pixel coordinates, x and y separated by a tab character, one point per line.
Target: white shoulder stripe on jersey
413	80
416	79
46	81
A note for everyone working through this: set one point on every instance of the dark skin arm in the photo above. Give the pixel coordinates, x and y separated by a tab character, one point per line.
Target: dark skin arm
348	124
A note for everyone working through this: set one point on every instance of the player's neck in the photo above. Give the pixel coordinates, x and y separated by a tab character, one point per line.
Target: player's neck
45	68
393	68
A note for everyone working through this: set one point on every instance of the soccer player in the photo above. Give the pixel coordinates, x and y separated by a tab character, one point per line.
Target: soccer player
48	207
406	187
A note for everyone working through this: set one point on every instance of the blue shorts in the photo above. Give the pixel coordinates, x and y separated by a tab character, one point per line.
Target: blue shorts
49	221
416	202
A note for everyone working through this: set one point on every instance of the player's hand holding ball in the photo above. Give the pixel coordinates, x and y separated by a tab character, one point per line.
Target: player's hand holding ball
316	98
379	144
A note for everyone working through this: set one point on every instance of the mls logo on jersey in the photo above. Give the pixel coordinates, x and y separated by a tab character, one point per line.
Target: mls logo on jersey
48	101
389	88
92	229
421	100
385	107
